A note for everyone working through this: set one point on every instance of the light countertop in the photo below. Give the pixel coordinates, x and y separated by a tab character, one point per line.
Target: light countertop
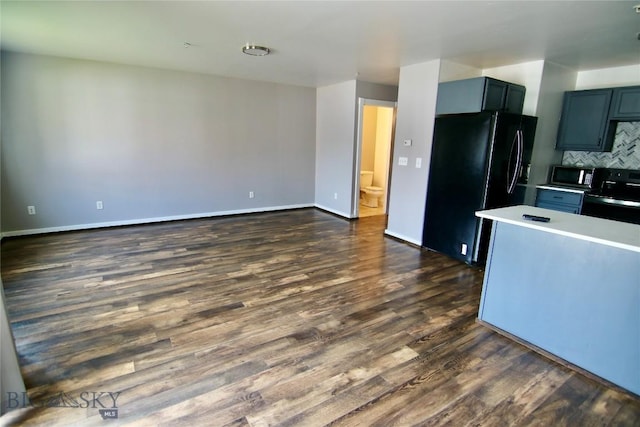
613	233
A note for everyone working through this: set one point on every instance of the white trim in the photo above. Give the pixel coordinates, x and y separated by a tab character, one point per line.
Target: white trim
401	237
357	158
333	211
357	161
149	220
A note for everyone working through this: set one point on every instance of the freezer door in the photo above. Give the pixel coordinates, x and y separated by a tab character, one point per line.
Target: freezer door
457	183
510	158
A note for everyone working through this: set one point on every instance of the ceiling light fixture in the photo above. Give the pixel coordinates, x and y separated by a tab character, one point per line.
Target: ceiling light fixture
253	50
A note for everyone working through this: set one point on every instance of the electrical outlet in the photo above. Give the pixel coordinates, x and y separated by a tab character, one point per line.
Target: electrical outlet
251	195
403	161
31	210
99	204
418	162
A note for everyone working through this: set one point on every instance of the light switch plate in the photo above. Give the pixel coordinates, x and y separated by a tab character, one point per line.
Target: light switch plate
418	162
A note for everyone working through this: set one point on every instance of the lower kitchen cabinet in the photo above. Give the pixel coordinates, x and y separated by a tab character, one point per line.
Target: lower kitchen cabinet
559	200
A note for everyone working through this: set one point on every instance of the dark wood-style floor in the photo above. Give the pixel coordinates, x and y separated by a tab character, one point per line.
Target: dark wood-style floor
293	318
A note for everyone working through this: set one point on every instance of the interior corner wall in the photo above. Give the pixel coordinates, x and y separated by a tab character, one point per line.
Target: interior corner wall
415	119
556	79
335	138
450	71
336	145
10	376
150	144
528	74
376	91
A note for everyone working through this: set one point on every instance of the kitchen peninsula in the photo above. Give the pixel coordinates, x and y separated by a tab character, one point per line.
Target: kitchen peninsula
569	287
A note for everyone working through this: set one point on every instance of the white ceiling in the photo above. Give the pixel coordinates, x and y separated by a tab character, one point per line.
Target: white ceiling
324	42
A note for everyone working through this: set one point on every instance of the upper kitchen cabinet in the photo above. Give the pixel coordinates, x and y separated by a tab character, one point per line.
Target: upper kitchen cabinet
626	103
479	94
584	125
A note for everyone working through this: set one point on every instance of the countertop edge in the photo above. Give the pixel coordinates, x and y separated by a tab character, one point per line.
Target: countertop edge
513	214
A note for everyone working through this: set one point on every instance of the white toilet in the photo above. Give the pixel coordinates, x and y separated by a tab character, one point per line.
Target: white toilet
369	194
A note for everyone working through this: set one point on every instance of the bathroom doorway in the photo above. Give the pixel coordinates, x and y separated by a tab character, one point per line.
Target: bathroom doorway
376	128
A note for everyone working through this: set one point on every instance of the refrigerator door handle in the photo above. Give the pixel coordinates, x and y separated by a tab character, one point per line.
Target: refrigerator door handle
521	157
518	143
521	151
518	169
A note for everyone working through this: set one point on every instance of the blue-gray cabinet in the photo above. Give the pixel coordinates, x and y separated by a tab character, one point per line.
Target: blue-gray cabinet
559	200
584	124
479	94
626	103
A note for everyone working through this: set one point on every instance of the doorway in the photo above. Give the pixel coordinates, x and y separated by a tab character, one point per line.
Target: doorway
376	128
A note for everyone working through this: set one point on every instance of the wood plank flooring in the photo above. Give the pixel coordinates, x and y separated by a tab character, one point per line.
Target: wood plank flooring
295	318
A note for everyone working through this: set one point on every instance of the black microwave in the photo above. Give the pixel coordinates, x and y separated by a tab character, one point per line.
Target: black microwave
577	176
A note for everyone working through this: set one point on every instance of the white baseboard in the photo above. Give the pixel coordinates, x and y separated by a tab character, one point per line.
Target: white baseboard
139	221
333	211
401	237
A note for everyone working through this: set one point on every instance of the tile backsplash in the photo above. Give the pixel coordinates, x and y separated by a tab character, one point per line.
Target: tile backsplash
625	153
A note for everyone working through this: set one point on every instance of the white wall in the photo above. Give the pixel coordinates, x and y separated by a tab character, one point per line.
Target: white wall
10	377
608	77
335	136
376	92
450	71
151	144
369	137
416	110
545	83
528	74
337	168
415	120
555	81
384	133
377	132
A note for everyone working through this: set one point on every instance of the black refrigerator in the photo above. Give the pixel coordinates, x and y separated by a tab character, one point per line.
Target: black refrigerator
478	161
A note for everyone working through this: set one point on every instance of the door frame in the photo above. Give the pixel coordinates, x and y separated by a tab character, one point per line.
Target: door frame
355	190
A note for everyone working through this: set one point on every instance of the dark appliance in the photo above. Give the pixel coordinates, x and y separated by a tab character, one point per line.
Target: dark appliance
477	162
617	197
576	176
